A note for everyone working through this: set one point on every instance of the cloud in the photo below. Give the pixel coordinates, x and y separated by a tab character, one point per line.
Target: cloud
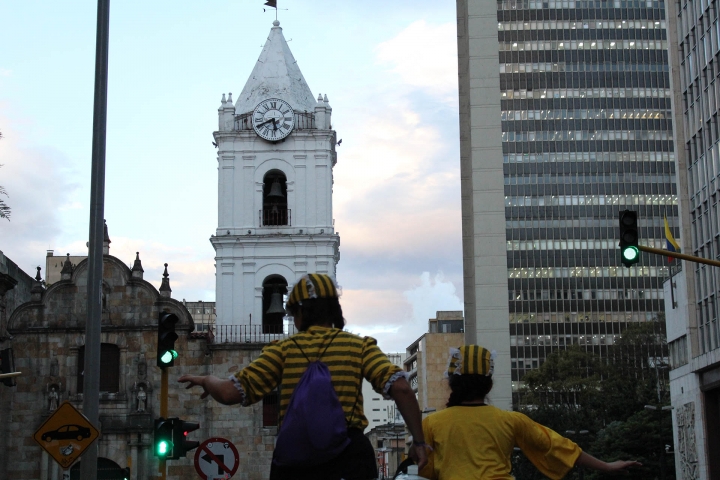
424	56
38	187
432	295
192	274
395	180
397	190
398	319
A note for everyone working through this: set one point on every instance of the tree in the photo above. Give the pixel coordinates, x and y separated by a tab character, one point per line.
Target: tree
576	390
4	208
642	437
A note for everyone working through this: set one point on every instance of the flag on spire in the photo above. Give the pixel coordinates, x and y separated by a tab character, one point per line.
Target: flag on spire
271	3
672	245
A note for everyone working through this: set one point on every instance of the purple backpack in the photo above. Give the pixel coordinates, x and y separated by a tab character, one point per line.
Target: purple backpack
314	430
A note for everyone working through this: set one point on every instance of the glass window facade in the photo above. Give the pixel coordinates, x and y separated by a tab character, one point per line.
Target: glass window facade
587	132
699	45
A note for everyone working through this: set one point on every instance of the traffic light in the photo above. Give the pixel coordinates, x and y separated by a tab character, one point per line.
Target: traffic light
7	365
180	430
163	438
126	473
629	251
166	353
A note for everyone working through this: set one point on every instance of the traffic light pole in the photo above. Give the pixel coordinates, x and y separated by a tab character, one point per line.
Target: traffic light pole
163	411
682	256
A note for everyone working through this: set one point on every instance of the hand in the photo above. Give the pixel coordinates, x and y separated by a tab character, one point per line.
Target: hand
195	380
419	455
621	466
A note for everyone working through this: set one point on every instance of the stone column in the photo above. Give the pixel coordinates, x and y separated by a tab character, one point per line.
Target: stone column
55	471
134	460
44	465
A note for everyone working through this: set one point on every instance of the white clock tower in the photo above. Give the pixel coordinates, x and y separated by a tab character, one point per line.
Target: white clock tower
276	152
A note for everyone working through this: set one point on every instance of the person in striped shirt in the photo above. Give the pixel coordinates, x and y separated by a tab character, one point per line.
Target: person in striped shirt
317	313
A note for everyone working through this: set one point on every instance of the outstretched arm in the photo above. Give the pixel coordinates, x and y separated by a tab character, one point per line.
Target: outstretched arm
223	391
620	466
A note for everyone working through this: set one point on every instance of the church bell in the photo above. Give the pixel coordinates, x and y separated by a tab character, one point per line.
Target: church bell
276	190
276	303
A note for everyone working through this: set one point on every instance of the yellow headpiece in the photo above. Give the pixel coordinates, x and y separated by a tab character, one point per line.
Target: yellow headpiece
312	285
469	360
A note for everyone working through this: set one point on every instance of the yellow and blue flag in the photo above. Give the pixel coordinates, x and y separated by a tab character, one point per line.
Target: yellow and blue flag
672	245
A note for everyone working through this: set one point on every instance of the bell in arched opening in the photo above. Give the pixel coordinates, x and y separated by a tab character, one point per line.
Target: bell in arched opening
275	190
276	303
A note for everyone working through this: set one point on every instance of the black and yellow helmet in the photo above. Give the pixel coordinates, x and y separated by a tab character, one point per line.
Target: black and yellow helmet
312	285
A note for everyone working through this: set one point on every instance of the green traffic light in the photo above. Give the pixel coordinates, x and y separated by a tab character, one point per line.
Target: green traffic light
630	253
163	448
168	356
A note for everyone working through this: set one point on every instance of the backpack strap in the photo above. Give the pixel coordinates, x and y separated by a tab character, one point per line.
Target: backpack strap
323	352
328	345
301	350
357	398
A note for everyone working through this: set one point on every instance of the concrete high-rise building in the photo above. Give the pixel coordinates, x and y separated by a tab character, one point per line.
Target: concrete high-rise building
378	410
427	358
565	111
691	297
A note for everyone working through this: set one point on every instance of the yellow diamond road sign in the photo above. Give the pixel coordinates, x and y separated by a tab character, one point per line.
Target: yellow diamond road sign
66	434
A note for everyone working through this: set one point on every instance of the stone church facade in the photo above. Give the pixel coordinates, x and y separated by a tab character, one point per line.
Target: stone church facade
47	336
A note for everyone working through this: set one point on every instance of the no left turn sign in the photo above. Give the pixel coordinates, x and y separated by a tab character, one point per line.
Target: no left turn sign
216	459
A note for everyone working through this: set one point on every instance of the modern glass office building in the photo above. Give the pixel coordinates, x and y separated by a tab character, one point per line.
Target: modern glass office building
586	132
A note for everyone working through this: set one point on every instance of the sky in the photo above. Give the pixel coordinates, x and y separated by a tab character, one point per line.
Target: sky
389	71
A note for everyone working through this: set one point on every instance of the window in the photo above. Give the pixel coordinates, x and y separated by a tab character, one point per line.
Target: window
273	307
109	366
678	352
275	210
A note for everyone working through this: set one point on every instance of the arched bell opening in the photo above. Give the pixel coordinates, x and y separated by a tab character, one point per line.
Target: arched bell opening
275	205
106	470
273	303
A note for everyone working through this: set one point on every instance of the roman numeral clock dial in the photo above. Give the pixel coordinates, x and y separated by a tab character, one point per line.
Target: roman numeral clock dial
273	119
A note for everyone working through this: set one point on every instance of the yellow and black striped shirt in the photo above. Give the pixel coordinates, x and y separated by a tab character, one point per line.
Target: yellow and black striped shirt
349	358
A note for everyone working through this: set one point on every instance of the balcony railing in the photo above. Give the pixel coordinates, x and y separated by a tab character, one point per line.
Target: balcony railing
275	217
251	333
303	121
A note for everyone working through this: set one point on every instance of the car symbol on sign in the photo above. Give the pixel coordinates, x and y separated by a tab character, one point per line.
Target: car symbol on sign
77	432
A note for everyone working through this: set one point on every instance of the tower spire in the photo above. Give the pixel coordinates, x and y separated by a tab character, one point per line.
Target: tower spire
276	75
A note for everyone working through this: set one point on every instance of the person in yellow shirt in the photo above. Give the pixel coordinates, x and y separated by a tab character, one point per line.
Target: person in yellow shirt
473	440
315	307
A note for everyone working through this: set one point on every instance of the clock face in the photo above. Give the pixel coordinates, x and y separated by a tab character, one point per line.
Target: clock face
273	119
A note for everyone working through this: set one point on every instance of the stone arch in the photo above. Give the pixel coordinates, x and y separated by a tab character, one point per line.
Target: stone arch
274	164
106	470
270	269
270	170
